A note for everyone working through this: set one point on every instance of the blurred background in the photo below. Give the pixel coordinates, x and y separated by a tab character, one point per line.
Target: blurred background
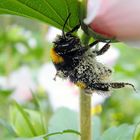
26	76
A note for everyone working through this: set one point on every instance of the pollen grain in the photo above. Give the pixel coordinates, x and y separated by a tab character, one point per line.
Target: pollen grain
80	84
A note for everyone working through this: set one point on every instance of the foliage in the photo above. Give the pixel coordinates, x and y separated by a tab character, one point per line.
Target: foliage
35	119
48	11
66	127
137	133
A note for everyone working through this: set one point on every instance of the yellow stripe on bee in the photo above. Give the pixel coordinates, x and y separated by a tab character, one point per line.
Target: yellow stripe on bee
56	58
80	84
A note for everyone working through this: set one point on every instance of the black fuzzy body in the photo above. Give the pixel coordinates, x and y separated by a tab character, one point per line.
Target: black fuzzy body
80	64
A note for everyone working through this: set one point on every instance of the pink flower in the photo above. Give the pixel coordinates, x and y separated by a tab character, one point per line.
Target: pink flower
115	18
23	84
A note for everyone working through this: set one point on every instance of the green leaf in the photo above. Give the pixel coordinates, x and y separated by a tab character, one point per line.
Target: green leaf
123	132
63	132
42	137
5	92
137	133
63	119
66	121
7	126
96	126
34	138
53	12
26	123
20	121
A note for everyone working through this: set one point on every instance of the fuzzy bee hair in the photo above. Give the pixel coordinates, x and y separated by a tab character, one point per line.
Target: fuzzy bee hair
77	62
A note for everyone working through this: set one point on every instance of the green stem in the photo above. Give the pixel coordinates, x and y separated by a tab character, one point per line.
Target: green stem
85	116
85	39
85	100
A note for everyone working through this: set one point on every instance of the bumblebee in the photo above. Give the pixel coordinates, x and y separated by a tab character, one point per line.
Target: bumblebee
77	62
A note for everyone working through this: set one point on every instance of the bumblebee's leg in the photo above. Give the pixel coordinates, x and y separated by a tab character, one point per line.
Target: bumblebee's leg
59	74
74	29
100	86
103	49
106	86
100	52
94	43
120	85
84	49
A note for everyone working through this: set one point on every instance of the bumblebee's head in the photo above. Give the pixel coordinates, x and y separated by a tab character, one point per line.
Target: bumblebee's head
64	44
66	41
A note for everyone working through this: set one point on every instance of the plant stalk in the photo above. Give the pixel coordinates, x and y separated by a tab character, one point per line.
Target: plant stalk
85	116
85	99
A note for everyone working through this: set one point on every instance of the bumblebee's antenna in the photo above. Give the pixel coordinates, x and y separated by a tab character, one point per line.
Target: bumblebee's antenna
65	25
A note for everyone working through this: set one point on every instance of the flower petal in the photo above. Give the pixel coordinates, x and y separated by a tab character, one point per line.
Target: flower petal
135	44
118	18
94	8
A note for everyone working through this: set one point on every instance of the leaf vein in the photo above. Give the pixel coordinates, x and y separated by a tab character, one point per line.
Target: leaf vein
54	10
38	12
